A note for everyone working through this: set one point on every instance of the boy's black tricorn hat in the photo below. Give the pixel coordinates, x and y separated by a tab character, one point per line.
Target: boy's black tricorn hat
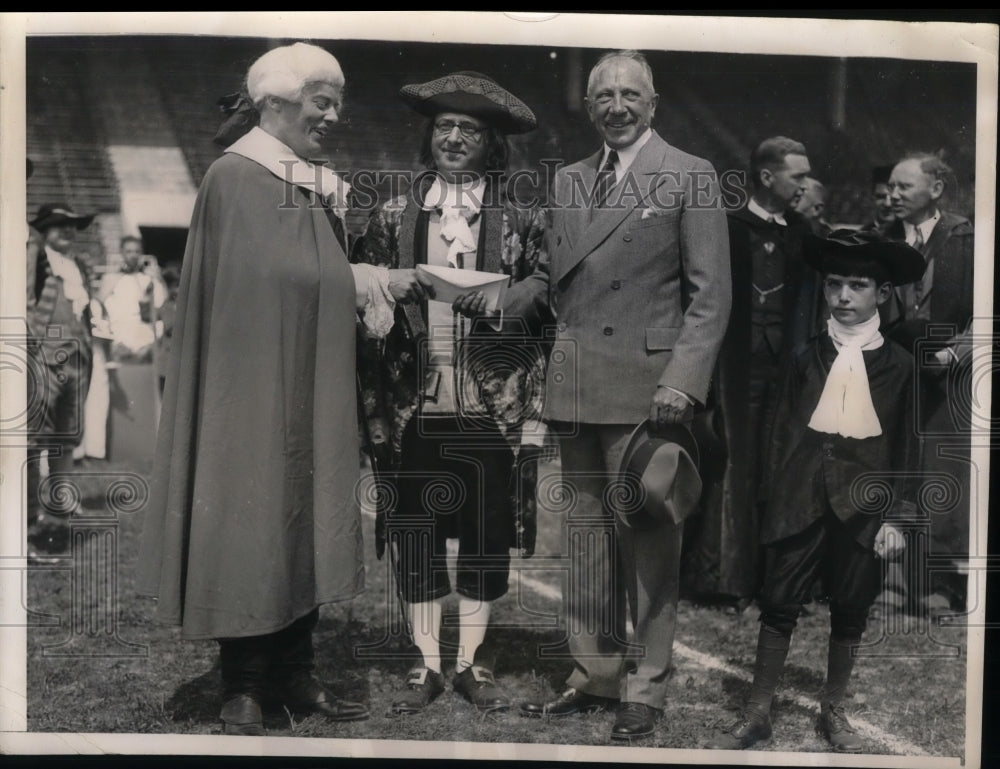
902	263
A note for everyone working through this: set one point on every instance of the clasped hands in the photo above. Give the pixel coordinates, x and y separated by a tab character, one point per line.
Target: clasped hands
408	286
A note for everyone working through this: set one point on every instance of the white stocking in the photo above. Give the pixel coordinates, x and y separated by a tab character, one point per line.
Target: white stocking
425	622
473	617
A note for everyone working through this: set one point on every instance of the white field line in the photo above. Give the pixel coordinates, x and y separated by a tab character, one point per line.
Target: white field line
708	662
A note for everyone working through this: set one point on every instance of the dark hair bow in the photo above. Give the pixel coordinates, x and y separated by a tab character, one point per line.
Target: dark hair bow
241	117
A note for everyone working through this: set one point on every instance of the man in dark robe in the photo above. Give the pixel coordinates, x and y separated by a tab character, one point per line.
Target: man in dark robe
775	300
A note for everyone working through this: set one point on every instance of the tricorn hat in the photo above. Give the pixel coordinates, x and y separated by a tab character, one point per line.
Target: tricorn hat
471	93
903	263
659	470
59	214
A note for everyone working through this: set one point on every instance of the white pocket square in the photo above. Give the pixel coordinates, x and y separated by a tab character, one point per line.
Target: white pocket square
649	213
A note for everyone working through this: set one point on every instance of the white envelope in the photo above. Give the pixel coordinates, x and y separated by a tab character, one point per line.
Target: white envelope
450	283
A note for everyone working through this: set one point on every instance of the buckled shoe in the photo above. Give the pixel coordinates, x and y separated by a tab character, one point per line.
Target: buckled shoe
423	686
478	686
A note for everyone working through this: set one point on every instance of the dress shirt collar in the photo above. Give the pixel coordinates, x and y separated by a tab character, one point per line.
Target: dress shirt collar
758	210
626	155
926	227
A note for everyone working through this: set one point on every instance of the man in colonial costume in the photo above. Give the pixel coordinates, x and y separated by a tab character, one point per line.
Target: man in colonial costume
61	312
452	397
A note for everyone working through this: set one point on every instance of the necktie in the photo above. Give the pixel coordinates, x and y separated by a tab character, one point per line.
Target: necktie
605	180
912	296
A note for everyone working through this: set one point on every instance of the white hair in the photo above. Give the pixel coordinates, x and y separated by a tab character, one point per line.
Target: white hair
284	71
629	55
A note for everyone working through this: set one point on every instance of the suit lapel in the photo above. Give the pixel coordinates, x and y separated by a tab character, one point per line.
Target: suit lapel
646	164
577	218
938	237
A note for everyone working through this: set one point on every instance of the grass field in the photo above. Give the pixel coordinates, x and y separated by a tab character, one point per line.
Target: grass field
127	674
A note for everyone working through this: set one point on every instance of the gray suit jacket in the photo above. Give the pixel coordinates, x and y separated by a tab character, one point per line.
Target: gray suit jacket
640	290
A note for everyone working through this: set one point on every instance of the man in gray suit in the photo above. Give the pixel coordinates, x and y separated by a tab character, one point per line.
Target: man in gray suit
637	279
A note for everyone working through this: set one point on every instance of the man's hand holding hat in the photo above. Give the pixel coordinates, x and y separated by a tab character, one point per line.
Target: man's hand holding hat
670	407
660	466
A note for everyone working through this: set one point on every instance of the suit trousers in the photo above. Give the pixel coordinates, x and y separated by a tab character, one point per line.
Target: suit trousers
611	567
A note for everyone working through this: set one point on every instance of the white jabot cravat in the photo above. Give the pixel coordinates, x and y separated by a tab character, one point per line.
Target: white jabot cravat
458	204
66	269
845	407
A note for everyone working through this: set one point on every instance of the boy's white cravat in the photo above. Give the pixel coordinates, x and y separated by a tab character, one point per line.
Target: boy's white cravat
845	407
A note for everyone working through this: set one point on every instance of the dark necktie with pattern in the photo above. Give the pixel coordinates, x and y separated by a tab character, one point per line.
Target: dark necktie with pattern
605	180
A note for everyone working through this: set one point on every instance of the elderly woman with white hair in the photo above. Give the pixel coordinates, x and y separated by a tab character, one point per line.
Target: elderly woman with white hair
253	521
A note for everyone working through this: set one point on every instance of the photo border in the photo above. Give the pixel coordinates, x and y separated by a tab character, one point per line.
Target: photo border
937	41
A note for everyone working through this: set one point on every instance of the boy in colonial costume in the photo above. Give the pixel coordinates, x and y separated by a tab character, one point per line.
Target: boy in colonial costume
841	429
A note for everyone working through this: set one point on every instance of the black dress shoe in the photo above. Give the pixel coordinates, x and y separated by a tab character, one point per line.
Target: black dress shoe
568	703
749	729
635	719
479	687
241	715
423	686
302	693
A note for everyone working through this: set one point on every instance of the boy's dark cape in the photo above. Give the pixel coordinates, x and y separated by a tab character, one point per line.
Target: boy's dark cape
862	481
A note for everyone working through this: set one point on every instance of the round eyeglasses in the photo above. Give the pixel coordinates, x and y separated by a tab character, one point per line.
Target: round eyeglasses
469	130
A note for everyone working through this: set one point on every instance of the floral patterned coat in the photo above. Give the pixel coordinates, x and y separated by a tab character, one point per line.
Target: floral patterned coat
507	368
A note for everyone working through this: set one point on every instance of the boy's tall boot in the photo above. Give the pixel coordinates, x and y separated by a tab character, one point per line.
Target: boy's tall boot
754	724
833	723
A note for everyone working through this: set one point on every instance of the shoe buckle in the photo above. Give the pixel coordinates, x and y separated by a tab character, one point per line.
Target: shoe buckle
418	677
482	675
